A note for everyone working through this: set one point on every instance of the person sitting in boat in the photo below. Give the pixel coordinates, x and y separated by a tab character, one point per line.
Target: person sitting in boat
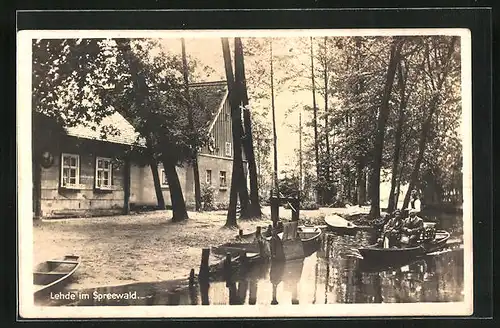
413	226
391	232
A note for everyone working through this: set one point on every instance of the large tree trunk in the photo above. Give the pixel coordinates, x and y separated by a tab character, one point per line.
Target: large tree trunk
433	104
238	181
156	180
381	122
174	185
239	64
153	164
194	159
397	143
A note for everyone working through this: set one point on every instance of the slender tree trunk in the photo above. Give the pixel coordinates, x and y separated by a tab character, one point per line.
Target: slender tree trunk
37	184
156	180
126	186
433	104
300	156
174	185
153	164
240	79
397	143
361	183
327	141
196	172
275	136
315	121
381	122
238	181
421	150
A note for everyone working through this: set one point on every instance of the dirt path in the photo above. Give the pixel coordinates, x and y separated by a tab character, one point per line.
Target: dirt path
126	249
141	247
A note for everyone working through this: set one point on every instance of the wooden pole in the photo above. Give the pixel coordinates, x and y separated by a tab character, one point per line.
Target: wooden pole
204	270
196	172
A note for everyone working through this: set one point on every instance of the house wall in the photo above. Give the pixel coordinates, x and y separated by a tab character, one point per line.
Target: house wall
216	164
58	201
221	132
142	189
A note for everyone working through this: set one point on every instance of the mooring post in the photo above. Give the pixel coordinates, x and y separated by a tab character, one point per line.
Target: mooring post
274	301
252	293
227	269
204	271
295	299
240	233
275	210
191	277
295	209
258	232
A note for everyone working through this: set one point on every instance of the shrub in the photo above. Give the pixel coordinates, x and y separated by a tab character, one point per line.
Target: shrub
309	205
208	197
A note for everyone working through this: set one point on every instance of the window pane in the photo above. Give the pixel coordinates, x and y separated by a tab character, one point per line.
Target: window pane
106	174
106	164
73	161
99	163
72	181
65	161
65	172
105	182
99	174
72	173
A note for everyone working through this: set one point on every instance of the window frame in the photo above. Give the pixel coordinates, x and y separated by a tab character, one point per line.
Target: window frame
76	185
228	149
109	169
223	186
208	177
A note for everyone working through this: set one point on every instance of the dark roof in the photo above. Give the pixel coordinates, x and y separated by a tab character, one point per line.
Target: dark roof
209	97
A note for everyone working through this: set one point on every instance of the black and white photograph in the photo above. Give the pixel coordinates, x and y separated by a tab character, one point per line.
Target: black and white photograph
244	173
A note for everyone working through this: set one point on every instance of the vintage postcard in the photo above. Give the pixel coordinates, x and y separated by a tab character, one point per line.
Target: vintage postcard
244	173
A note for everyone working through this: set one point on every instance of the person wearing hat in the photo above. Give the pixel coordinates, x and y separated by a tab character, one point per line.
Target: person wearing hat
412	228
391	232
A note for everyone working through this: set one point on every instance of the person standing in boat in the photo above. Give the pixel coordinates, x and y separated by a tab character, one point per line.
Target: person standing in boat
415	202
412	229
391	232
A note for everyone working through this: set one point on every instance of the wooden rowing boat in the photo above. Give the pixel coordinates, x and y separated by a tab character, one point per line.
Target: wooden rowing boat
377	254
53	273
340	225
310	238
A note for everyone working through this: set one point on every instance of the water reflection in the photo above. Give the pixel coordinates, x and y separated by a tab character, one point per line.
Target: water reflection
327	276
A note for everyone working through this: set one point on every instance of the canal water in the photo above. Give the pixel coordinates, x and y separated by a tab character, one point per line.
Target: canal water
328	276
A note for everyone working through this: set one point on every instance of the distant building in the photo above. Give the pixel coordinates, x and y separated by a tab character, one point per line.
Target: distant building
79	174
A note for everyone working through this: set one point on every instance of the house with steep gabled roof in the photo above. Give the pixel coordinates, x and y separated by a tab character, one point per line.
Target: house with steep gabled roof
82	171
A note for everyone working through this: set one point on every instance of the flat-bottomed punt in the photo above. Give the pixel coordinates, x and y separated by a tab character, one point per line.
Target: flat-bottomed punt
377	254
52	274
